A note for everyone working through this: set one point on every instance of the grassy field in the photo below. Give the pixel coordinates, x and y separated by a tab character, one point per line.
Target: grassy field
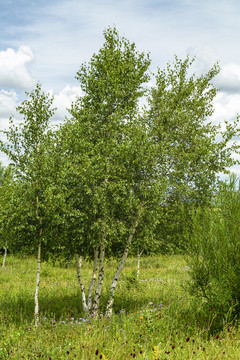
155	317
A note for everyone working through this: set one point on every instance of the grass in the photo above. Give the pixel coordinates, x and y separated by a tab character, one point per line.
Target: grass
155	317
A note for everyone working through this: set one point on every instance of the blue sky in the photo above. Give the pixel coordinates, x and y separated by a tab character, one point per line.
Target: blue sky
46	41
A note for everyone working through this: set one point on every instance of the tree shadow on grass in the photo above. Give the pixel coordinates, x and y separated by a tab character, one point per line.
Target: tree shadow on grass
20	309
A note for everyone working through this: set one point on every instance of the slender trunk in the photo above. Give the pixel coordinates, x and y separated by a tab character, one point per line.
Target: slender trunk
78	266
94	277
36	313
4	257
69	262
96	301
118	272
139	259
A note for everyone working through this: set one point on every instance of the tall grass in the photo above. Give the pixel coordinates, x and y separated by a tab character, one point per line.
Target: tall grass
215	255
155	318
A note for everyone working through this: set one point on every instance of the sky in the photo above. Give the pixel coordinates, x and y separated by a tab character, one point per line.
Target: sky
46	41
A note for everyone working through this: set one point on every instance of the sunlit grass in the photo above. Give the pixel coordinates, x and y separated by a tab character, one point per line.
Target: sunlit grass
155	317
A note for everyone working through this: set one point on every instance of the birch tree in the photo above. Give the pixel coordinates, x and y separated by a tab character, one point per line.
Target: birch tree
122	164
192	150
107	190
6	186
26	149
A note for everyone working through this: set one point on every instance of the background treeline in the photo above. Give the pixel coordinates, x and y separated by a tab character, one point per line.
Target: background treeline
116	176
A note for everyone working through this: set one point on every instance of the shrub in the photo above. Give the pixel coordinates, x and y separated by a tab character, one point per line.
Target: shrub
214	255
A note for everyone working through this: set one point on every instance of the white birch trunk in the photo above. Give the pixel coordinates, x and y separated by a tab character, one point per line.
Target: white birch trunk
109	308
96	301
4	257
36	312
94	277
139	260
78	266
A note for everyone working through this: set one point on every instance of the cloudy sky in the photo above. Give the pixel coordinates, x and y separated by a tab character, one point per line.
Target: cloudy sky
47	40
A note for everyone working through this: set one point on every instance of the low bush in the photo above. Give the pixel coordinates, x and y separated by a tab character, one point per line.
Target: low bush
214	255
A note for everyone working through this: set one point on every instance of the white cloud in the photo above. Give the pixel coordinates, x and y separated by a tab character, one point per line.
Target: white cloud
8	102
13	68
228	79
64	99
226	106
206	57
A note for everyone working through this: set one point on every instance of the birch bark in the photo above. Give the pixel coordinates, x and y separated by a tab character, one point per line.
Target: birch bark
96	301
36	311
109	307
94	277
78	266
4	257
36	298
139	260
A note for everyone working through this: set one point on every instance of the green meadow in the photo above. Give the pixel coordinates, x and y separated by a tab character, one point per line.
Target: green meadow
155	317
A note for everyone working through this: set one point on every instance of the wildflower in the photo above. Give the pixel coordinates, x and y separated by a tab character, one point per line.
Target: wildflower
156	351
141	317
